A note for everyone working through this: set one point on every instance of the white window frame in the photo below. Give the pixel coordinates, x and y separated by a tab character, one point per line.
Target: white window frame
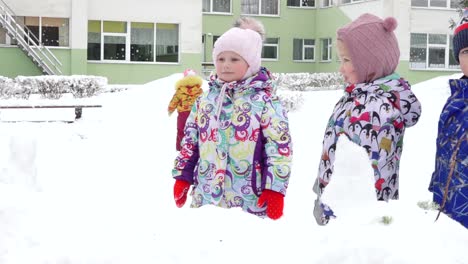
304	46
447	5
322	3
446	47
213	12
329	49
260	10
275	46
8	40
127	36
301	6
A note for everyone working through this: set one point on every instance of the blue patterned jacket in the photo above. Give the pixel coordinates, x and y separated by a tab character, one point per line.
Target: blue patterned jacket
451	189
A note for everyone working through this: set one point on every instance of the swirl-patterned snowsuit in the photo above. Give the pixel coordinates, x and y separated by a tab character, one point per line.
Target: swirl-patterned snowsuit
236	145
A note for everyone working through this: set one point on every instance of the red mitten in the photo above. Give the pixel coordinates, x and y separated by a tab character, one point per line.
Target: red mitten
274	203
181	189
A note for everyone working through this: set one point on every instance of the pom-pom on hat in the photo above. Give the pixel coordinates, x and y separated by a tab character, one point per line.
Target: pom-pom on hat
460	35
372	45
190	79
245	39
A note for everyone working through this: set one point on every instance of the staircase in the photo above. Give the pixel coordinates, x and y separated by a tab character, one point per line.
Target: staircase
28	42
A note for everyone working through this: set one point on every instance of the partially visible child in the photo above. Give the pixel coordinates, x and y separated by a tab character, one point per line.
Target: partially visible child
187	90
236	151
375	109
449	182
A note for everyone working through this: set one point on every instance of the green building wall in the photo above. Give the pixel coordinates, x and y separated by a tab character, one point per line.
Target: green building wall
14	62
314	23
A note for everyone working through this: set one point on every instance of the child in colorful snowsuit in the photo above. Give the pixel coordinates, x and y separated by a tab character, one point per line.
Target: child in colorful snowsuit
376	107
187	90
236	151
449	182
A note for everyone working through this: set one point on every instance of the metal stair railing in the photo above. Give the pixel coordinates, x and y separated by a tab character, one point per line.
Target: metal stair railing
28	42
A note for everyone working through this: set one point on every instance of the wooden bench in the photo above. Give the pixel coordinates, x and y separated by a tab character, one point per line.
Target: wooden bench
77	107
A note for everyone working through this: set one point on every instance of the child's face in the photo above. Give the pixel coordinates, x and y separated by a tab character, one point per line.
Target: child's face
346	67
463	57
230	66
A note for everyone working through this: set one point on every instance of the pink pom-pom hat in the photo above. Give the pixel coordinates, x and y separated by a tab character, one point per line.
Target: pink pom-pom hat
372	45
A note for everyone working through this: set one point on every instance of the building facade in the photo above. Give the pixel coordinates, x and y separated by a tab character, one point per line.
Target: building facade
142	40
128	41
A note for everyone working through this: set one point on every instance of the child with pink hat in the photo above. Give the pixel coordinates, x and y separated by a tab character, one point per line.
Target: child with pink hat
236	150
375	109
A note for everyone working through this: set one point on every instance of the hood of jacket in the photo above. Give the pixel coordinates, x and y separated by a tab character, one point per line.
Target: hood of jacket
262	80
397	90
190	85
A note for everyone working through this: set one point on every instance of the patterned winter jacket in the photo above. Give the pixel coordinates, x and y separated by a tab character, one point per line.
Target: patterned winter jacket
236	145
451	190
187	90
374	116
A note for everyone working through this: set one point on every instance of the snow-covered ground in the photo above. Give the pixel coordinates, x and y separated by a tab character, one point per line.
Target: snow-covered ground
99	191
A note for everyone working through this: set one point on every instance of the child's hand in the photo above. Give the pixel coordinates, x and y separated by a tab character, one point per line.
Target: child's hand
181	189
274	202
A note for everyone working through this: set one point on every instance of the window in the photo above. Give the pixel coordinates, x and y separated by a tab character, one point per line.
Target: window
3	36
167	42
431	51
141	41
133	41
94	40
326	49
217	6
304	49
301	3
327	3
435	3
260	7
114	40
270	49
50	31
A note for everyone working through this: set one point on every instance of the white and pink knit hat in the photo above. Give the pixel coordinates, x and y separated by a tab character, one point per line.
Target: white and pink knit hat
244	40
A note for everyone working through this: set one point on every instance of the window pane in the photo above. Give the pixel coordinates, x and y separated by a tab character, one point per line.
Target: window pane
142	42
453	64
418	51
326	3
271	41
115	27
222	6
308	3
94	40
453	4
438	3
437	39
326	55
206	6
309	42
250	6
32	29
436	57
345	1
419	3
309	53
167	42
270	7
55	31
297	49
114	48
2	36
294	3
269	52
